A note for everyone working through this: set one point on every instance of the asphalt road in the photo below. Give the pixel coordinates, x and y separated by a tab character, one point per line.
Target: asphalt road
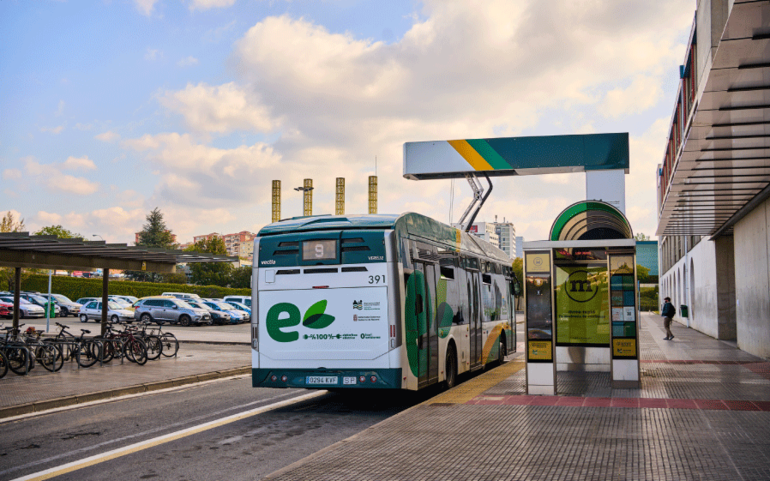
248	448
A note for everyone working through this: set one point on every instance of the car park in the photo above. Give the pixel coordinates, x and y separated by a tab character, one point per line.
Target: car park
236	316
26	308
165	309
66	305
115	312
217	317
246	300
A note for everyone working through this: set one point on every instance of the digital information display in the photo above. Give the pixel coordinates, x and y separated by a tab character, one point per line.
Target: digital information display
539	307
582	305
321	249
623	305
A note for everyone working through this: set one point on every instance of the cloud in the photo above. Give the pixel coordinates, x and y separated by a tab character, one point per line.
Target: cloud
187	62
643	94
52	177
60	109
108	136
82	163
198	175
145	7
153	54
220	109
54	130
11	174
207	4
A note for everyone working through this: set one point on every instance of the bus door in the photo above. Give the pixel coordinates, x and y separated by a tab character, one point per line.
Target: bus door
427	343
475	321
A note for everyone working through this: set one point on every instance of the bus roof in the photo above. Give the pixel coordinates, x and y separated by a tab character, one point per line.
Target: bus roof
409	223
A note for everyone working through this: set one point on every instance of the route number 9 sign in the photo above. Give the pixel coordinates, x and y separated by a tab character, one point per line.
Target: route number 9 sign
319	250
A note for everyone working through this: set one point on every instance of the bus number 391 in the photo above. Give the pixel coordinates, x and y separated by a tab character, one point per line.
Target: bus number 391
377	279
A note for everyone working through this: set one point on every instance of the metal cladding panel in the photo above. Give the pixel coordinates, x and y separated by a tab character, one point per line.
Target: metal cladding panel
516	155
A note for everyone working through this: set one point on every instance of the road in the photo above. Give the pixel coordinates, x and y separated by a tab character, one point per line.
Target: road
247	448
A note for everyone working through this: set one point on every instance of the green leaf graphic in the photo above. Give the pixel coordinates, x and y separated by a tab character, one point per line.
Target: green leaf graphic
318	321
317	308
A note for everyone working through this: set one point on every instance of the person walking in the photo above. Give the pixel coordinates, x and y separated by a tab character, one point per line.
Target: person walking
668	312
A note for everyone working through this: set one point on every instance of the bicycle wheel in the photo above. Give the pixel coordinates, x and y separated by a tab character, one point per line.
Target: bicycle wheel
49	356
154	347
136	351
18	359
87	353
170	345
3	365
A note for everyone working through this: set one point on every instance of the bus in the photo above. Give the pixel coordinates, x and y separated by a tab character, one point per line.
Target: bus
376	302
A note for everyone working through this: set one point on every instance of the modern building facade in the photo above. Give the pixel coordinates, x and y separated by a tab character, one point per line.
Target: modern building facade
714	181
647	255
506	232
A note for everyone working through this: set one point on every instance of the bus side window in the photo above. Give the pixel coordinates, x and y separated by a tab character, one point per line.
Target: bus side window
418	304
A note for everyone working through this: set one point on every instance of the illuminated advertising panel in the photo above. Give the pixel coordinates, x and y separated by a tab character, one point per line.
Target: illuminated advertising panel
582	305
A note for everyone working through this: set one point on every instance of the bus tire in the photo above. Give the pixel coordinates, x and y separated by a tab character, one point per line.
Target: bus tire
501	353
451	367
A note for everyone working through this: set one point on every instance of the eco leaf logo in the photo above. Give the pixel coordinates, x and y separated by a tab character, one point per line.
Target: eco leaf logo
285	314
315	318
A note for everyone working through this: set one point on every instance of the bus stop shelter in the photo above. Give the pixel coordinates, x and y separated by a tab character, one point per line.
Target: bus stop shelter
20	250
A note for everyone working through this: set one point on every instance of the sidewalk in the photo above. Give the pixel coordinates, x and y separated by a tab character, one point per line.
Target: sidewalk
703	412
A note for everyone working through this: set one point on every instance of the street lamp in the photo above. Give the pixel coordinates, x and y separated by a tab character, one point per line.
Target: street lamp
97	235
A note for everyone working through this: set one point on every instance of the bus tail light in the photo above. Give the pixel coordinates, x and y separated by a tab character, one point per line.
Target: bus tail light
373	378
362	379
273	378
284	378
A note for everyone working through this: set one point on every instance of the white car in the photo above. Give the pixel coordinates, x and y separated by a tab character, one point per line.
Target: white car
26	308
115	312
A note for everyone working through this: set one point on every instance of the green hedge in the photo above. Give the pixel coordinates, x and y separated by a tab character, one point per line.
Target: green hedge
76	287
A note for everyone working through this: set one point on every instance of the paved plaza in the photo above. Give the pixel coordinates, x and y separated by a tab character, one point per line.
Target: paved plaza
703	412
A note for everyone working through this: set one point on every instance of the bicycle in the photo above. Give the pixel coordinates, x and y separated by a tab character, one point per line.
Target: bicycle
151	339
133	348
19	358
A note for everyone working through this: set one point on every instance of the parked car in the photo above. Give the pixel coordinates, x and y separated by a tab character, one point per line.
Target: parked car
115	312
129	299
67	306
36	298
26	308
241	307
6	310
119	300
246	300
85	300
181	295
236	316
217	317
163	309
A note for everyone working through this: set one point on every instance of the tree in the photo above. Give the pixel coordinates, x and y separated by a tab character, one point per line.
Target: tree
175	278
241	277
642	274
60	231
10	224
154	233
641	237
210	273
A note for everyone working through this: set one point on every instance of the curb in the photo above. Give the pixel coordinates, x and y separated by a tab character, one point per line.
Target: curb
40	406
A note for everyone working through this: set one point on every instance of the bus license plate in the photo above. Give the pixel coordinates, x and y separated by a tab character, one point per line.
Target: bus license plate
321	380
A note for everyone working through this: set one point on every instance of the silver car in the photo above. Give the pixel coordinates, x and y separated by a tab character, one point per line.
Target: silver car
115	312
160	310
67	306
26	308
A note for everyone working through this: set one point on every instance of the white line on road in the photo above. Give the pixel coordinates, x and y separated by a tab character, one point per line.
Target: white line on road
133	448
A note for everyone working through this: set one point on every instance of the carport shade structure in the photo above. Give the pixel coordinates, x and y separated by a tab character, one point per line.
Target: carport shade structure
21	250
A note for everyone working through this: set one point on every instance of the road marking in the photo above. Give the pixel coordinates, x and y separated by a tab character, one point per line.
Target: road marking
133	448
118	398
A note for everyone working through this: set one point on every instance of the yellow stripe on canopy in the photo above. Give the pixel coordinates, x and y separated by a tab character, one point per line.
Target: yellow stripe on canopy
470	155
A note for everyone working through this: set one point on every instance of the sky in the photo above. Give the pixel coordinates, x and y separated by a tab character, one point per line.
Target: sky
111	108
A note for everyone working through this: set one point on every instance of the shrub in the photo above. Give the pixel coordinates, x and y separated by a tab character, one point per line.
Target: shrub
76	287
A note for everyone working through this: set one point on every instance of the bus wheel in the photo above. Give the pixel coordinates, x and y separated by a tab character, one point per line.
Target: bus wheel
501	353
451	367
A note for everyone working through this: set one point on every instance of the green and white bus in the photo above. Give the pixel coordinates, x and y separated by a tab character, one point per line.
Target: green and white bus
376	301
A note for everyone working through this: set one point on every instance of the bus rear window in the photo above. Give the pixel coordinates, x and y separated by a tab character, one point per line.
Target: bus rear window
321	249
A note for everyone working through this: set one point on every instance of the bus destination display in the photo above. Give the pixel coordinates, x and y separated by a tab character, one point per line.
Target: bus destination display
320	249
